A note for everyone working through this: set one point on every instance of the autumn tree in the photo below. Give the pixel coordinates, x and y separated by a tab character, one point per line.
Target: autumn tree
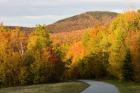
10	56
133	42
39	38
46	66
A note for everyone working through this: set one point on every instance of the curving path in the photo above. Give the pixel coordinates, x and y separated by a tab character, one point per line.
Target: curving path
99	87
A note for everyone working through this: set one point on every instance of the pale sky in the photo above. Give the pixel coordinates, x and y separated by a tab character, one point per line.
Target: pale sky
32	12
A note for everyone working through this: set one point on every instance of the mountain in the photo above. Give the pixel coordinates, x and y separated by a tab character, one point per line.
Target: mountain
77	22
82	21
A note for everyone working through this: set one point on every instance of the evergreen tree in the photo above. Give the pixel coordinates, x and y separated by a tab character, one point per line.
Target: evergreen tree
127	67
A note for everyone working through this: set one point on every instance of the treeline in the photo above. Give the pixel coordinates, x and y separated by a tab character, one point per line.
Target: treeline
105	51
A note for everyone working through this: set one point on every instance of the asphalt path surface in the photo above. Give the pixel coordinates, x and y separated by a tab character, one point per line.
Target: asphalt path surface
99	87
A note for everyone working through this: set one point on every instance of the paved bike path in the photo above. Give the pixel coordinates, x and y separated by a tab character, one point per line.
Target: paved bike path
99	87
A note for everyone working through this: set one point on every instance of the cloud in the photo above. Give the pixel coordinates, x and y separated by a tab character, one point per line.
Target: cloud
31	20
45	16
34	17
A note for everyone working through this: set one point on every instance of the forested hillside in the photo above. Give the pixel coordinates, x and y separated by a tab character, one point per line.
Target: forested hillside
82	21
110	51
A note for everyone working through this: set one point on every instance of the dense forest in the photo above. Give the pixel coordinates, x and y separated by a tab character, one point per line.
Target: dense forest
105	51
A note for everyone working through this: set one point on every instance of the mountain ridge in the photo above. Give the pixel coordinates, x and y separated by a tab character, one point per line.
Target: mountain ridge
82	21
77	22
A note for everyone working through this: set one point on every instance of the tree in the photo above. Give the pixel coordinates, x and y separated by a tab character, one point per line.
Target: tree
10	57
26	74
55	66
139	10
9	70
39	38
133	43
127	67
47	65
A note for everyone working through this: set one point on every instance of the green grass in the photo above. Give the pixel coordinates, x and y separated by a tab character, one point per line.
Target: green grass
65	87
126	87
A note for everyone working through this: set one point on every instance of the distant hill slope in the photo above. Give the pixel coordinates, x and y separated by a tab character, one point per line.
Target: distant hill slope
82	21
77	22
24	29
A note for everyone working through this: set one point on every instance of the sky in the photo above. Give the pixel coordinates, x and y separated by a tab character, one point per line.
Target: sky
31	12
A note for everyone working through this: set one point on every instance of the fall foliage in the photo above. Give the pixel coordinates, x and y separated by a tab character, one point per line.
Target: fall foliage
103	51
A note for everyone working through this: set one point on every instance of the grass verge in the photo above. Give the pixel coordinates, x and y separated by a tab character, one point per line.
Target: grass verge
126	87
65	87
